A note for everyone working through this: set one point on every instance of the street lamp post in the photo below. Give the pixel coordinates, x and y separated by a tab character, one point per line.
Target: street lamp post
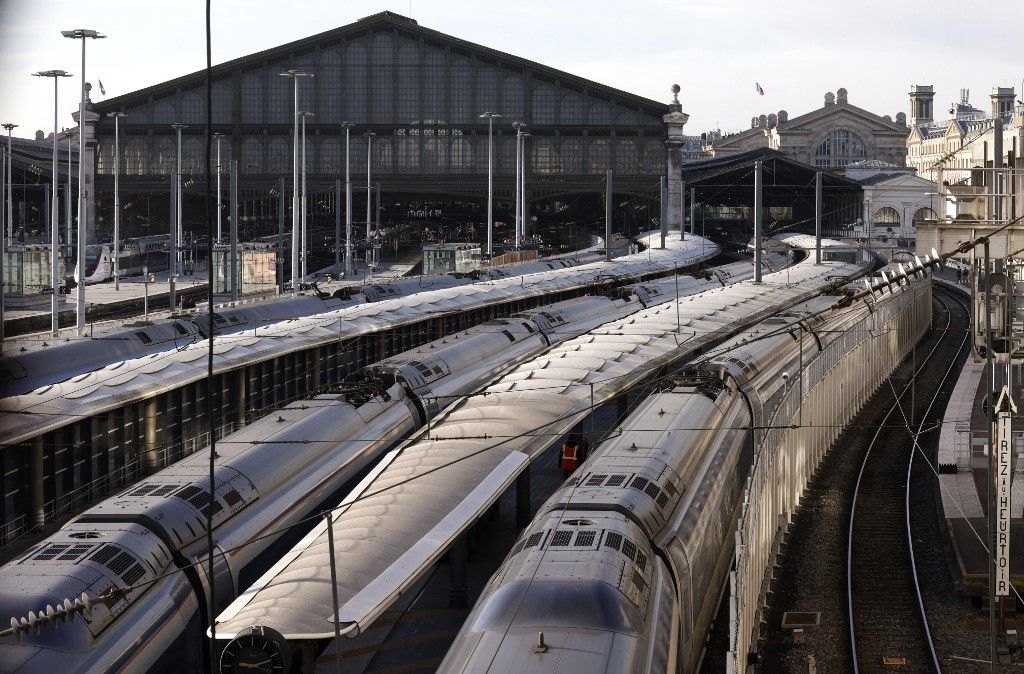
305	235
349	270
520	162
178	219
369	188
522	180
81	34
220	198
295	75
490	181
54	227
67	208
5	235
117	198
10	182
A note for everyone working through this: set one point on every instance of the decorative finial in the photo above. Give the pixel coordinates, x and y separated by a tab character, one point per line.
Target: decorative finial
675	93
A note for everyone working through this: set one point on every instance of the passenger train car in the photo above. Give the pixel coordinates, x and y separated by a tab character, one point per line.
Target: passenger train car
144	252
54	363
624	566
428	492
151	538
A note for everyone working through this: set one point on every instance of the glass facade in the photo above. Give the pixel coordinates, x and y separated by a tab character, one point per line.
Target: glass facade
422	97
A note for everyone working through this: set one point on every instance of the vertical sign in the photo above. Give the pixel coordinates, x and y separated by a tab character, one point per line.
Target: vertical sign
1002	504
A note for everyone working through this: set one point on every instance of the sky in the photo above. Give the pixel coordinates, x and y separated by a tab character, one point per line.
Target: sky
714	49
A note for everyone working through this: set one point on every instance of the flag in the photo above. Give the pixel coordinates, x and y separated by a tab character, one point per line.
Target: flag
104	91
756	86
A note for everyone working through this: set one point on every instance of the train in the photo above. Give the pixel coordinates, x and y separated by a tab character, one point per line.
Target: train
149	253
624	567
56	362
150	539
426	494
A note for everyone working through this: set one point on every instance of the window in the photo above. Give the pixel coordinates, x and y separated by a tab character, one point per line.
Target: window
545	105
279	155
383	81
486	90
545	159
599	114
329	155
408	111
572	109
460	102
252	98
252	160
572	155
435	89
355	82
839	147
462	156
626	156
512	98
887	216
597	156
328	86
925	214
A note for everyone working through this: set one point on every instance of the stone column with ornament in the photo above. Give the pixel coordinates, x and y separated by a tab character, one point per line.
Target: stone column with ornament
88	155
675	120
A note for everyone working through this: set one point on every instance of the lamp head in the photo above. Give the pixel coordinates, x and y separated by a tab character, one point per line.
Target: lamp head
347	125
118	114
52	73
9	127
179	127
490	114
296	72
77	33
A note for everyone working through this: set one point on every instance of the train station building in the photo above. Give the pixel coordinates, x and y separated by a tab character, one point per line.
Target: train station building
421	94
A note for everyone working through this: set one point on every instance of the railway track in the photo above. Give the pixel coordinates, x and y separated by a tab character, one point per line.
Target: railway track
887	621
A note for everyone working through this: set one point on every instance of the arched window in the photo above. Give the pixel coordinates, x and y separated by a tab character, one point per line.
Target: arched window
925	213
839	147
887	216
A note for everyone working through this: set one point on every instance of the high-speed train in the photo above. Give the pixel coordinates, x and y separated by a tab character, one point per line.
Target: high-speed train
270	476
149	252
624	566
29	370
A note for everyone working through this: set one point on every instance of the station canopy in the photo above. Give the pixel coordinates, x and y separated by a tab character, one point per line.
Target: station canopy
729	181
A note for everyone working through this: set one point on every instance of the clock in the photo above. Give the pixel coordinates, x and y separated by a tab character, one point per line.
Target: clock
256	650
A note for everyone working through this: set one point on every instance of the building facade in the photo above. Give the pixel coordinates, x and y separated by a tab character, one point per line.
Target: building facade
421	94
832	137
896	199
948	149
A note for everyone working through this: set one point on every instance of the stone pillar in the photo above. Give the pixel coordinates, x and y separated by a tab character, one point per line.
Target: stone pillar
523	510
675	120
87	155
38	511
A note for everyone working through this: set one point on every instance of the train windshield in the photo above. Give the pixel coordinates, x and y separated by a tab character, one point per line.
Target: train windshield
584	603
93	254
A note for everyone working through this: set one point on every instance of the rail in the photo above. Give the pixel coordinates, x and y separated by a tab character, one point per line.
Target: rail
878	540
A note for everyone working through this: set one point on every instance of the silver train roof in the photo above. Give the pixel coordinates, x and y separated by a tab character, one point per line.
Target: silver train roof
413	505
26	416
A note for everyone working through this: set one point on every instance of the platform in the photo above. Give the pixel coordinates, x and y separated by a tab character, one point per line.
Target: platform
963	478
